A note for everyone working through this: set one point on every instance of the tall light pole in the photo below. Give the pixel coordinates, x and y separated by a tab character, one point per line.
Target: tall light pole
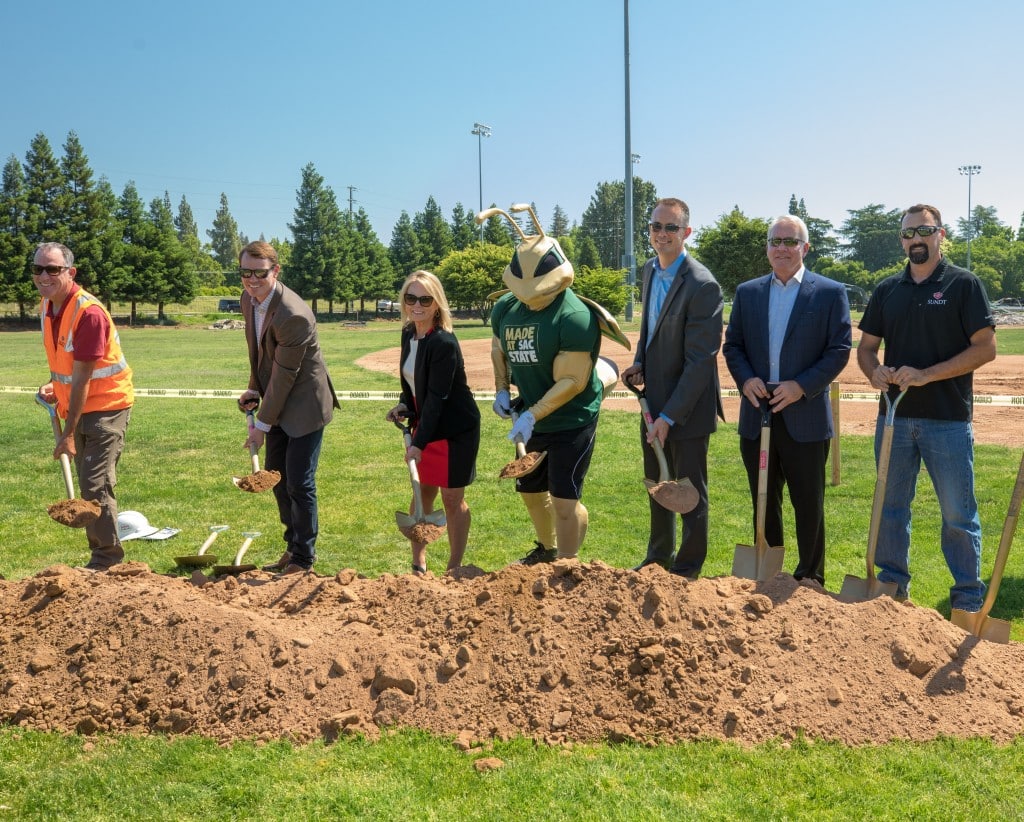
481	131
970	171
628	258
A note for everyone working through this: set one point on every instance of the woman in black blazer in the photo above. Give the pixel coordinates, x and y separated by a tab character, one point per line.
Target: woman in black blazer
445	418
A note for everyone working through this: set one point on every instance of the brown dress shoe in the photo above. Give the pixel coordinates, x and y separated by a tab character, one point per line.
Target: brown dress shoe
281	564
292	568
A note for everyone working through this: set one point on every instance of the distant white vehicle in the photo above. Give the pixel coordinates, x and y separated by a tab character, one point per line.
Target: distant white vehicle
387	305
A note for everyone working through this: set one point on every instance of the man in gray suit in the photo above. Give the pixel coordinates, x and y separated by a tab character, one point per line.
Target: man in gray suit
680	333
788	338
289	381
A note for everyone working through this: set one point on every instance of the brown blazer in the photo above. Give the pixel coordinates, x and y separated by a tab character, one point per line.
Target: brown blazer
287	367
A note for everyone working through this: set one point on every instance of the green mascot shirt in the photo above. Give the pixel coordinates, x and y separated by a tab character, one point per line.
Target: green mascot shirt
532	339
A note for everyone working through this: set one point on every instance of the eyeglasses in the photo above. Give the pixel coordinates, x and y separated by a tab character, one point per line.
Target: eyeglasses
258	273
426	300
52	270
671	228
789	242
920	231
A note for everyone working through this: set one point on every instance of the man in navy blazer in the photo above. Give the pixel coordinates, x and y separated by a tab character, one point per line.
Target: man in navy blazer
676	361
788	338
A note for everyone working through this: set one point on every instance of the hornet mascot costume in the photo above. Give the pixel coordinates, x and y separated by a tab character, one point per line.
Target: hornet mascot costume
546	342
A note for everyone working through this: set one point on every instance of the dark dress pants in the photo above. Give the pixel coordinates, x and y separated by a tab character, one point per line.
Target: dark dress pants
801	467
296	458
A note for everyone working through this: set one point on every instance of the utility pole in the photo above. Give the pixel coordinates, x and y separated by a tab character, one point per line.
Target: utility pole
481	131
628	259
350	190
969	171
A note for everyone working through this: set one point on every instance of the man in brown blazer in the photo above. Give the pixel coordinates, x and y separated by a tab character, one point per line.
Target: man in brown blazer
289	382
680	334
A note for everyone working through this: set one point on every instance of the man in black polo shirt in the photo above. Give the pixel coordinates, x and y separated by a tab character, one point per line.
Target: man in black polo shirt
937	326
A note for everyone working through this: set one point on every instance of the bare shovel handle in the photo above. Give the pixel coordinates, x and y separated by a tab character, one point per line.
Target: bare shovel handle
1009	528
65	468
518	440
414	473
65	463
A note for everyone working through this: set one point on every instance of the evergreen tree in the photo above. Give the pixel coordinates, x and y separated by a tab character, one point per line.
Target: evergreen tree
433	233
380	275
406	255
587	255
498	232
225	241
138	275
15	247
604	219
82	213
559	223
185	222
464	228
44	184
318	242
176	280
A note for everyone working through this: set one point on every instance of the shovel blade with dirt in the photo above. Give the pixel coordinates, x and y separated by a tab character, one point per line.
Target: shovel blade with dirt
760	561
202	559
418	527
981	624
73	512
854	588
678	496
238	567
258	481
525	462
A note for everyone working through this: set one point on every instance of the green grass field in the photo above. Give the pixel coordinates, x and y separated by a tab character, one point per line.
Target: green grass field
176	469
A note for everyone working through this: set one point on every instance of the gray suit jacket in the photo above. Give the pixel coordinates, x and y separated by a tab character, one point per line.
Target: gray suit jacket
815	350
286	365
679	365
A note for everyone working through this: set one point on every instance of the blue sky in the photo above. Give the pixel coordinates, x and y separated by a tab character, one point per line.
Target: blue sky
733	103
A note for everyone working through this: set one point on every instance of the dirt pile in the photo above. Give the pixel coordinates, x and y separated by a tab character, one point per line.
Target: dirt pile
562	652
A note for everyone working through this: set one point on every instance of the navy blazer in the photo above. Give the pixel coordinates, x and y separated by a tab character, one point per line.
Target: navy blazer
444	405
815	350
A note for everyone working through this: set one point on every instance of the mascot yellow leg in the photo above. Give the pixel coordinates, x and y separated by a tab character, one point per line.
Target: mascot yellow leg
571	521
541	514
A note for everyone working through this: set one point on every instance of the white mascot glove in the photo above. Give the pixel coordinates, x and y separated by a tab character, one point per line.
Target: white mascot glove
503	405
523	427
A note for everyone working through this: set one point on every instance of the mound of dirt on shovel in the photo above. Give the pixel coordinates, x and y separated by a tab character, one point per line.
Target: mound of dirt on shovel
75	513
561	653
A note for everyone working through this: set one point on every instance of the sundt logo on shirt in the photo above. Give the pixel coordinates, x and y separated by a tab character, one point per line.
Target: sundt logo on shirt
938	298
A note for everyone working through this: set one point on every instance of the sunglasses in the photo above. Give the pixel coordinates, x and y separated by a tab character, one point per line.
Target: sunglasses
789	242
920	231
671	228
426	300
258	273
52	270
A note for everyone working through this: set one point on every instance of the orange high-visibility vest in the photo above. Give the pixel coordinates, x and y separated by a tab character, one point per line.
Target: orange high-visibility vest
110	388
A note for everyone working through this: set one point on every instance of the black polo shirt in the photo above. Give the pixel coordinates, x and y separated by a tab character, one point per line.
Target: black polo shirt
925	323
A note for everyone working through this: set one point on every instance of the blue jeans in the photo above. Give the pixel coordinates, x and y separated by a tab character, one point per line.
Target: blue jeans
947	448
296	458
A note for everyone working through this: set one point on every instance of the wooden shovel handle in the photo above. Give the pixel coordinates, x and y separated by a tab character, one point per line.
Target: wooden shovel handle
761	512
250	421
65	463
414	473
1009	528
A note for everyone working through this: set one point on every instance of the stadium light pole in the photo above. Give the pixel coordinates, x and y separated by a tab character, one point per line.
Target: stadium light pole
628	258
481	131
969	171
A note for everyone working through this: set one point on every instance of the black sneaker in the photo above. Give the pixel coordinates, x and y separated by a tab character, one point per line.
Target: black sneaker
538	555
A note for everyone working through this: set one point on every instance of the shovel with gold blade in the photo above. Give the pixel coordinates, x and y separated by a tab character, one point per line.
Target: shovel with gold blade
679	496
418	527
981	624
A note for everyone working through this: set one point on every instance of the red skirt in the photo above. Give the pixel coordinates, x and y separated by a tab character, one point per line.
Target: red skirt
450	463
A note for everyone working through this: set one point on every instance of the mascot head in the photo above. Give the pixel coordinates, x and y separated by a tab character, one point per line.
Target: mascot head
539	270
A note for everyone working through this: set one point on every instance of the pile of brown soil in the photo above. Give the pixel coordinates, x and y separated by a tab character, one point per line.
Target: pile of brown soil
560	653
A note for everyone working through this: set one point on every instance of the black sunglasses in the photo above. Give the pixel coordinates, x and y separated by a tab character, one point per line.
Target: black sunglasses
426	300
920	231
671	228
258	273
789	242
52	270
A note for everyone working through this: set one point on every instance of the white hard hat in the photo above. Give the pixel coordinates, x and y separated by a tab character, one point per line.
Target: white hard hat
133	525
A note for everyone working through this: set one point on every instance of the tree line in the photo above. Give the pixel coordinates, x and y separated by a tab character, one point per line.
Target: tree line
133	252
